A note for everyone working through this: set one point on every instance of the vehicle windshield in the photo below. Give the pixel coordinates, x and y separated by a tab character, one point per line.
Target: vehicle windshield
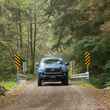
53	61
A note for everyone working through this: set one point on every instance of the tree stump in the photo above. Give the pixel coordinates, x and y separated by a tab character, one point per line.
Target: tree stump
2	90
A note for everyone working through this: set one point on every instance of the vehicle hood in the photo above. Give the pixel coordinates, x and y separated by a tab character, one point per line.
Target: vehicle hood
52	66
63	67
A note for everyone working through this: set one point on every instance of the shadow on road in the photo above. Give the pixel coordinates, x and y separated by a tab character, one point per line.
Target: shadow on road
53	84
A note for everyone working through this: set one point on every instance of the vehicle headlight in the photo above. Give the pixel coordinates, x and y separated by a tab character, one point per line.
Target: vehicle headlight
41	70
64	69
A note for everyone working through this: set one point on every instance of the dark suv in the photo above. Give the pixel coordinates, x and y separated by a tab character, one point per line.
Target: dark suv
52	69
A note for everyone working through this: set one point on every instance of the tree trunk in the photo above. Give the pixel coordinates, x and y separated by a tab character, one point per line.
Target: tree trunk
20	31
31	48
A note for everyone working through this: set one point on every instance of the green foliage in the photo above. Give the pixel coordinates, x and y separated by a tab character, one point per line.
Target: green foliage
8	84
7	68
22	23
99	49
96	82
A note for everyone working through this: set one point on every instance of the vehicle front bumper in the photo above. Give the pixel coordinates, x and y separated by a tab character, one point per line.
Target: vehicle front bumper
52	77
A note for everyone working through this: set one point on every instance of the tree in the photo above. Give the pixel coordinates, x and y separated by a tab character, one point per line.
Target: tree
22	28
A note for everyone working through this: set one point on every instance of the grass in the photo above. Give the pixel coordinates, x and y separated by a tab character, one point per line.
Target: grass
86	84
8	84
83	83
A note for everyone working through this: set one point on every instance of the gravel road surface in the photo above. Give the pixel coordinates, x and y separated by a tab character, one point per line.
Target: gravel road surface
54	97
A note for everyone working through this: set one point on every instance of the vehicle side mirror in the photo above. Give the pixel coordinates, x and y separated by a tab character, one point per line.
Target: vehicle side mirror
67	64
37	65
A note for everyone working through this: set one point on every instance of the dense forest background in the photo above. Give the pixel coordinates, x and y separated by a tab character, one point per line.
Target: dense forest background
35	28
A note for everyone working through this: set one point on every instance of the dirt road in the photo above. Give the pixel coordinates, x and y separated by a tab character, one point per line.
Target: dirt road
55	97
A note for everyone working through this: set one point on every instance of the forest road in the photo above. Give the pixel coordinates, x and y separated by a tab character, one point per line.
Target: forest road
55	97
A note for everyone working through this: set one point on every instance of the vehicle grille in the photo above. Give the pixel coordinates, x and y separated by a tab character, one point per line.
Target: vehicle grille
53	69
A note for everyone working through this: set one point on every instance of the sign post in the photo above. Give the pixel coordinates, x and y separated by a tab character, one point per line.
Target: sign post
25	67
87	60
19	64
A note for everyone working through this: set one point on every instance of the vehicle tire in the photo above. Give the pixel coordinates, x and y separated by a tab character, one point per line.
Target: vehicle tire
39	82
65	82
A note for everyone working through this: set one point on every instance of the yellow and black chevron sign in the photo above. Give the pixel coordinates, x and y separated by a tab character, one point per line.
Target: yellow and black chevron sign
18	61
87	58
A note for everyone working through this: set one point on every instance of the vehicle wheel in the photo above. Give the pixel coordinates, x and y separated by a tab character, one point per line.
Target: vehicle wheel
39	82
65	82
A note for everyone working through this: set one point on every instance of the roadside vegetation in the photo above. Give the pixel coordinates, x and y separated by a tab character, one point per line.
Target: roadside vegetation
8	85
